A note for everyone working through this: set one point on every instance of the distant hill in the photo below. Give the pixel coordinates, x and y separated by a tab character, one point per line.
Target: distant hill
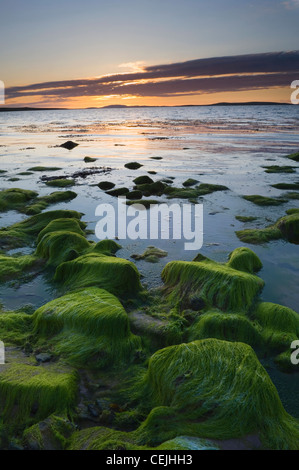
122	106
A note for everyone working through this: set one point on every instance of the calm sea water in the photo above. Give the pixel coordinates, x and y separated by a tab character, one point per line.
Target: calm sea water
226	145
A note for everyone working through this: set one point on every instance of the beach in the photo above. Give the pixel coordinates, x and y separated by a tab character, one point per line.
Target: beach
225	156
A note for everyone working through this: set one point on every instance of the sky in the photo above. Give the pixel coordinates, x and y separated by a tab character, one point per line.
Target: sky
70	53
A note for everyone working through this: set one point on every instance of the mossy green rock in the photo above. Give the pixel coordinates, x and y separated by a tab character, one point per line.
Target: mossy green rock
49	434
294	156
57	247
226	326
214	389
133	165
15	267
219	285
89	328
61	183
23	233
106	185
29	394
265	201
286	227
15	199
42	203
118	276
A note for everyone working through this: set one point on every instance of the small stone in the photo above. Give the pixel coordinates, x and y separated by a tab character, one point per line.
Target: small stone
43	357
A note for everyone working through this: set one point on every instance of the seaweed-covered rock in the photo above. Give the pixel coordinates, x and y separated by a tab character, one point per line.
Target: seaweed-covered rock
15	327
44	168
106	185
57	247
43	202
219	285
214	389
193	193
89	328
225	326
15	199
280	325
294	156
29	394
133	165
89	159
265	201
117	275
61	182
12	267
244	259
63	224
286	227
23	233
143	180
49	434
118	192
279	169
151	254
150	189
190	182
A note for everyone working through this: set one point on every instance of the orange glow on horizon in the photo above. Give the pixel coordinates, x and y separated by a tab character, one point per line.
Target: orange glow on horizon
280	95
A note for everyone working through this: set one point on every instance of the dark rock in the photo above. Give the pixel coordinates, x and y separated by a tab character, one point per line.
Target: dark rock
69	145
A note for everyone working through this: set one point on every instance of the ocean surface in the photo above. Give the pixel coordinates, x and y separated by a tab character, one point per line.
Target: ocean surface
226	145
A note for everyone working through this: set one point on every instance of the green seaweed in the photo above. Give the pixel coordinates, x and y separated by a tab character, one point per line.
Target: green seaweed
118	192
118	276
133	165
286	227
44	168
245	219
15	328
25	388
42	203
151	189
89	328
49	434
293	156
15	198
225	326
280	325
106	185
285	186
24	233
213	389
151	254
244	259
89	159
61	246
193	193
190	182
265	201
13	267
143	180
279	169
143	202
61	183
219	285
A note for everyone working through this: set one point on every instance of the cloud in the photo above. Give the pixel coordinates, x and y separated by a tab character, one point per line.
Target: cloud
220	74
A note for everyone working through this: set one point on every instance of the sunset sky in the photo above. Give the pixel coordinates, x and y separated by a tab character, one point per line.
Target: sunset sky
70	53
